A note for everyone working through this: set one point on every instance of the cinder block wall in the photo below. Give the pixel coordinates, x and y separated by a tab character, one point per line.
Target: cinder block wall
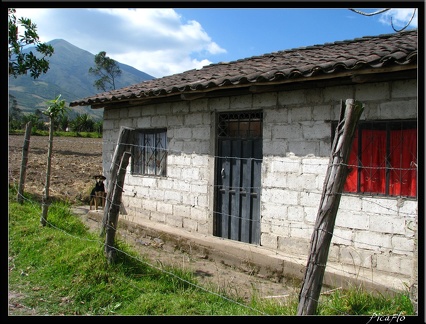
375	233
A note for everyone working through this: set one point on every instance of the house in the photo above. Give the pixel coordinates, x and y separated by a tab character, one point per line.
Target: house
240	150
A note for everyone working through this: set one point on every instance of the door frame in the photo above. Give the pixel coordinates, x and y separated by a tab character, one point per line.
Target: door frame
242	131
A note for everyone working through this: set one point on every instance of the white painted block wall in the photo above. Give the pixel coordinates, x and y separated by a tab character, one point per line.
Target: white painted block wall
372	233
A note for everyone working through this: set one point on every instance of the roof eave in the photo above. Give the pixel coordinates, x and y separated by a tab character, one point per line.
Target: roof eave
189	93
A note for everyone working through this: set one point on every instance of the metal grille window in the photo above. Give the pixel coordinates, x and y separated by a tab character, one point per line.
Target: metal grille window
149	156
240	125
383	159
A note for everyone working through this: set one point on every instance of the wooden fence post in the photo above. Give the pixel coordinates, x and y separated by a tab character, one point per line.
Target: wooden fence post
332	189
122	144
45	198
24	162
115	209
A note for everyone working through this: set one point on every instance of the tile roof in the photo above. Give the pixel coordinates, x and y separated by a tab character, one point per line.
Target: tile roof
304	62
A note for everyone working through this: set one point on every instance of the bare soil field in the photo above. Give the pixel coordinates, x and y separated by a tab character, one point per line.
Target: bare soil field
74	163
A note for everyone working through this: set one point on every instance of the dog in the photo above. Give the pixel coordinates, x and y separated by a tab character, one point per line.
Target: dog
98	193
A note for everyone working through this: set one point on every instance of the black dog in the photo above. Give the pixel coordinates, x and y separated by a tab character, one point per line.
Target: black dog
98	193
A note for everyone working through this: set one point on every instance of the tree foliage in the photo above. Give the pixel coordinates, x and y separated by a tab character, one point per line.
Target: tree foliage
56	108
40	122
82	123
15	113
19	62
107	70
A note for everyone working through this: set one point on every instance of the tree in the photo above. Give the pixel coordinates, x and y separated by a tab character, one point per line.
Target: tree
98	126
36	121
19	62
107	70
55	109
82	123
383	11
63	122
15	113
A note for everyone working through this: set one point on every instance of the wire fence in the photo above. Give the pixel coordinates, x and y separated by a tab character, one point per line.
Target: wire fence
164	271
39	174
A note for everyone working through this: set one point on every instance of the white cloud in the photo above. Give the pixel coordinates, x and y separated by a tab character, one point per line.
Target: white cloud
399	18
155	41
164	62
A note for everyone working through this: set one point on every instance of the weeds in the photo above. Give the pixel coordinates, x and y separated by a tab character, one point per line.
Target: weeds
60	269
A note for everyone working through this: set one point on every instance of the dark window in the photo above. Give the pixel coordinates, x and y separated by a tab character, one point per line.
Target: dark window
383	159
149	154
240	125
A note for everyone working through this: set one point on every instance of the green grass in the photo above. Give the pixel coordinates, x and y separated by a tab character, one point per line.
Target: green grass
57	133
61	270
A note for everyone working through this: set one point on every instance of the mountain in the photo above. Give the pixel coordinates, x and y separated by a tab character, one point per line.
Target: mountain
68	76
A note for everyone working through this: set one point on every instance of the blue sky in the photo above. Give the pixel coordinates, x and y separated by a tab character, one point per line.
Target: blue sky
167	41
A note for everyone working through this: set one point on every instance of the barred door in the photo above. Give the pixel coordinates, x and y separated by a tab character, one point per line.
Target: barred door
238	172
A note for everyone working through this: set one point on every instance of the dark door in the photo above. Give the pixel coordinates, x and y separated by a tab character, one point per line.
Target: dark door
238	173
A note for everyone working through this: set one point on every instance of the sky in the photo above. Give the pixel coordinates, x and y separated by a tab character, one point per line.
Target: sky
166	41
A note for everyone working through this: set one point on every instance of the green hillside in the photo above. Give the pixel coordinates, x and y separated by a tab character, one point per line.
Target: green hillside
68	75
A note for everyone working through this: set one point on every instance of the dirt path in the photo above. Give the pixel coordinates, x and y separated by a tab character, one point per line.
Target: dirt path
74	162
208	271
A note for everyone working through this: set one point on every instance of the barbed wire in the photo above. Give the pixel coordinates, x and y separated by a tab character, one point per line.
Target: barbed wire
103	245
275	159
286	160
161	269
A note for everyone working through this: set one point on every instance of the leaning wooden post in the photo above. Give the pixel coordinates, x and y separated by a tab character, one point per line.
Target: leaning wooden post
122	143
24	162
115	209
45	198
332	189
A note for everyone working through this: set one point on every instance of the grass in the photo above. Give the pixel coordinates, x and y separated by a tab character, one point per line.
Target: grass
57	133
61	270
